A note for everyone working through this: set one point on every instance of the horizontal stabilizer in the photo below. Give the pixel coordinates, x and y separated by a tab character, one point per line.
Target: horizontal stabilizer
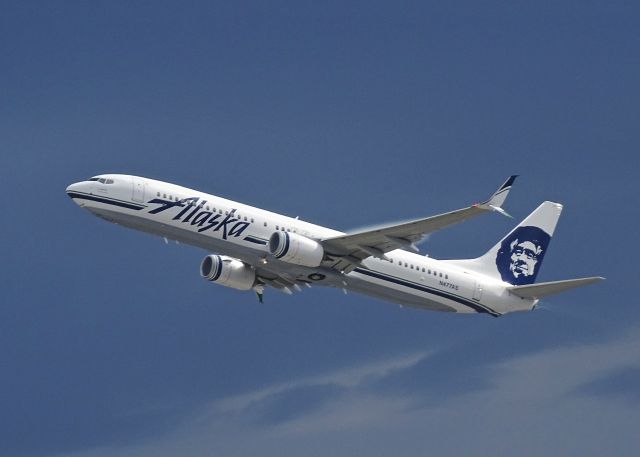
544	289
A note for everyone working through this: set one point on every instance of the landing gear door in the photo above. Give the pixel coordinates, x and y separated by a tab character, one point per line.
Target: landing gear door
477	291
138	190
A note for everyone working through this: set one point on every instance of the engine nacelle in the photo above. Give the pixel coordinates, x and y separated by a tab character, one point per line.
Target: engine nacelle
297	249
228	271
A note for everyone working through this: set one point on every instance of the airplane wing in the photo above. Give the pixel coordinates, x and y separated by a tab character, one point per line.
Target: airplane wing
281	281
346	251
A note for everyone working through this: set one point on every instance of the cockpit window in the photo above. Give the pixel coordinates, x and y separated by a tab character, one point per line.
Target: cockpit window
101	180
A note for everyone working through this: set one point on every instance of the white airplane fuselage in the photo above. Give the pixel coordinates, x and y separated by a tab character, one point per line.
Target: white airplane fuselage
240	231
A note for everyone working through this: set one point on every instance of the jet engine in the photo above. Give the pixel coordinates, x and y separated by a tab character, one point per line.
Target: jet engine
228	271
297	249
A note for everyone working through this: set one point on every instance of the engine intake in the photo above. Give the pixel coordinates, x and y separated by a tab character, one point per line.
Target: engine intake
228	271
296	249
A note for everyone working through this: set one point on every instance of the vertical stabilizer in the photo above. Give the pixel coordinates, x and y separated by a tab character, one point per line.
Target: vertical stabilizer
517	258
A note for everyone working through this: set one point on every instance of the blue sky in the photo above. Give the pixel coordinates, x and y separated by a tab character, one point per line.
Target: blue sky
346	115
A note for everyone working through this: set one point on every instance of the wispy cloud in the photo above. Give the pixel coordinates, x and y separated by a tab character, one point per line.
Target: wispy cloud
345	379
281	405
538	404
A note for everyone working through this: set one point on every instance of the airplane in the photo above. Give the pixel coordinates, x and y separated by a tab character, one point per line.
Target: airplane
251	248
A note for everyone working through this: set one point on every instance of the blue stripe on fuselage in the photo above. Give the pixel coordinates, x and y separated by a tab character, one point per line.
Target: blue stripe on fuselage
403	282
107	200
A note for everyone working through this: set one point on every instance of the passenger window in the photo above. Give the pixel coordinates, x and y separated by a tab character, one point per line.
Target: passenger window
245	218
265	224
446	276
277	227
441	275
164	195
423	269
252	220
158	194
405	264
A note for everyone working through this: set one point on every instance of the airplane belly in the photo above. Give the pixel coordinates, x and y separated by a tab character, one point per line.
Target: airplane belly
403	298
177	233
249	254
413	293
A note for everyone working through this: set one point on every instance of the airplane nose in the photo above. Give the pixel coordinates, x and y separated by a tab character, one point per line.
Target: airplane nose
71	189
76	190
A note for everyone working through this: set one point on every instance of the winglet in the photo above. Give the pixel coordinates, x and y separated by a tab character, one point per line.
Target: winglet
499	196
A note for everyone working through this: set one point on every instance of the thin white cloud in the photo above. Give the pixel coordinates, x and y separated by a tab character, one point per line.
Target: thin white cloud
347	378
533	405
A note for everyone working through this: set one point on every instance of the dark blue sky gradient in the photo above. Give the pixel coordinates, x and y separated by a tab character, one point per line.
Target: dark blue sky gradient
347	115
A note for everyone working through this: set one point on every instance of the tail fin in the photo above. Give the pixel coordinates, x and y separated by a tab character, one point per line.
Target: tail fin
517	258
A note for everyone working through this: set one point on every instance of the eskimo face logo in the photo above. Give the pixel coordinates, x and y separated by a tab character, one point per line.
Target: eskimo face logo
521	254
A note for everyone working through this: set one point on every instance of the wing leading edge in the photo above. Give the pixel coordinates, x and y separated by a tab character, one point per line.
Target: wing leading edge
347	251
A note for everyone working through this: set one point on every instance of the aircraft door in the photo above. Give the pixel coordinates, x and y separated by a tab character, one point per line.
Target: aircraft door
477	291
138	190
